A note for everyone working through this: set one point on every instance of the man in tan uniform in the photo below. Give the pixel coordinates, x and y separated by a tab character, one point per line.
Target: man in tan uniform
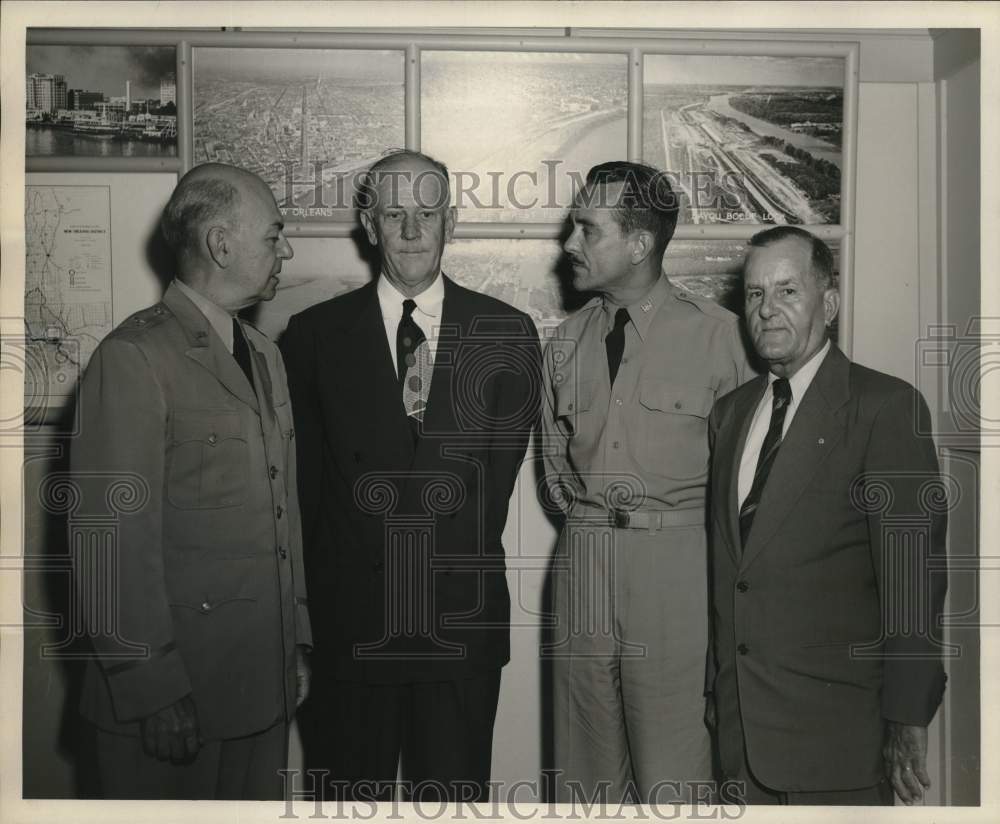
630	380
186	440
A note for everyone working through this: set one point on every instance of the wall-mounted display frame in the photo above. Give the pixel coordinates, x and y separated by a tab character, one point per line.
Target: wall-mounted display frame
731	128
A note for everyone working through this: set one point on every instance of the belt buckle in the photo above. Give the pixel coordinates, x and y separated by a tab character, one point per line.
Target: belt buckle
620	518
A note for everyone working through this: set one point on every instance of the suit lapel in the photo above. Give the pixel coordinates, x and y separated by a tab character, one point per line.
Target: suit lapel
207	349
368	374
812	436
729	447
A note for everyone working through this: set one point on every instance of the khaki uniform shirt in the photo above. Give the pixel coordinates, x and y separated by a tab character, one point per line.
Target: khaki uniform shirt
642	445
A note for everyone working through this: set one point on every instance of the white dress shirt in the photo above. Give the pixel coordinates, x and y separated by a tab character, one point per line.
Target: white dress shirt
761	422
427	315
219	319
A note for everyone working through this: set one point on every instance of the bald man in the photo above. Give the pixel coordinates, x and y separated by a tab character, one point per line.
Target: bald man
185	444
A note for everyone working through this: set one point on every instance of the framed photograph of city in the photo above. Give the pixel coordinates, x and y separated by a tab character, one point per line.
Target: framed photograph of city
749	139
101	101
519	129
307	121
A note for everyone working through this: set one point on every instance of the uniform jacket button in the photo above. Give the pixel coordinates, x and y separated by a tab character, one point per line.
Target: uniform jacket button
213	438
282	552
206	606
742	586
743	649
273	472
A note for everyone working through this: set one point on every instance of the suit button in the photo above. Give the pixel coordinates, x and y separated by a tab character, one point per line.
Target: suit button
206	607
280	511
282	552
742	586
743	649
273	471
213	438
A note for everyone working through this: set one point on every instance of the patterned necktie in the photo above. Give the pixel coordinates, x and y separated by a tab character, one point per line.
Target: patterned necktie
241	351
615	343
781	397
413	359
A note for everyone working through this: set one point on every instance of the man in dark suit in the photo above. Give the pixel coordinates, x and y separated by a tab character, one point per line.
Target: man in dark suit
414	399
185	447
827	537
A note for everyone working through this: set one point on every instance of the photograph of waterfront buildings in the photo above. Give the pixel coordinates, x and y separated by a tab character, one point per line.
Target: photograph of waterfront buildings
104	101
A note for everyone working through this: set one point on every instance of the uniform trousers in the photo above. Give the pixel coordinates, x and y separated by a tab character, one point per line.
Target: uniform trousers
628	663
230	769
438	733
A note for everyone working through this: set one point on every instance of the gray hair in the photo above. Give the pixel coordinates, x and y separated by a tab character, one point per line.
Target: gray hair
367	183
197	203
821	258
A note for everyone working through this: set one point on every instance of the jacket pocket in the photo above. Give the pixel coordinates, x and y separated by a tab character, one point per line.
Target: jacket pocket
208	464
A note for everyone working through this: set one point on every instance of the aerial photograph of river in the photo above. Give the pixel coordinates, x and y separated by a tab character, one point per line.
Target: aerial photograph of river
749	139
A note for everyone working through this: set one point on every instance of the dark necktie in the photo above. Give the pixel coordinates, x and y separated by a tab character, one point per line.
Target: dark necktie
782	395
241	351
413	363
615	343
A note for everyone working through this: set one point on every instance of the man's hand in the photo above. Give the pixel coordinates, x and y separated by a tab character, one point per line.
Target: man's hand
710	714
905	756
303	674
172	734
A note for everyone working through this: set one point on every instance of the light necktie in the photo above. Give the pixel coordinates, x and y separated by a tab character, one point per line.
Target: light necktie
241	351
414	366
781	397
615	343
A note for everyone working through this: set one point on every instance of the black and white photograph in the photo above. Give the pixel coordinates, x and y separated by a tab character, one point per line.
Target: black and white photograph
305	121
448	414
101	101
752	139
521	128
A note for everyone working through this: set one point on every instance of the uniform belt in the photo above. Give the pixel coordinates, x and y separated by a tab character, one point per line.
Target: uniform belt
651	519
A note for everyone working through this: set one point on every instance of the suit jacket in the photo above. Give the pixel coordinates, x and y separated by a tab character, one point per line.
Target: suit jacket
823	621
193	474
402	538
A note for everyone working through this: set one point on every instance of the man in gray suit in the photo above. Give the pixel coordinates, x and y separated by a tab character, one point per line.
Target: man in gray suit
827	542
184	409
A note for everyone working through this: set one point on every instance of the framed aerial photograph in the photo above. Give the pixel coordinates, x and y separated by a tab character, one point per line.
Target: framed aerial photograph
101	101
749	139
307	121
518	130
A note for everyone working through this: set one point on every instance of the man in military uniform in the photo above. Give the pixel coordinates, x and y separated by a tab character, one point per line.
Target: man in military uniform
186	428
630	380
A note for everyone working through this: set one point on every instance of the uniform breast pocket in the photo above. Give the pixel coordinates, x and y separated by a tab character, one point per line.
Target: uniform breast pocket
573	400
672	428
207	464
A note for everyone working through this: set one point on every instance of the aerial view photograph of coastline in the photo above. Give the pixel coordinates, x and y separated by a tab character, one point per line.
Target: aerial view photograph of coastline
749	139
305	120
522	128
104	101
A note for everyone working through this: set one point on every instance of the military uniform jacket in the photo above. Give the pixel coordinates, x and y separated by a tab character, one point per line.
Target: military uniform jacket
825	621
198	474
403	537
643	443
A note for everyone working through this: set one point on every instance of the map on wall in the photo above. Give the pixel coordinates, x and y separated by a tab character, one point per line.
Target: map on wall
67	298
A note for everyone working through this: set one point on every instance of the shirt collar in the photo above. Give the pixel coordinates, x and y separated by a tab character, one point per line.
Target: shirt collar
801	380
218	318
429	302
641	312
